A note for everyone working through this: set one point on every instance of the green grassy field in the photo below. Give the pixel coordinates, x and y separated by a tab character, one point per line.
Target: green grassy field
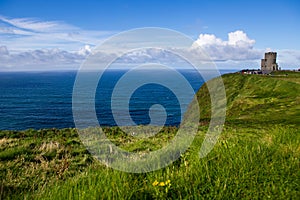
256	157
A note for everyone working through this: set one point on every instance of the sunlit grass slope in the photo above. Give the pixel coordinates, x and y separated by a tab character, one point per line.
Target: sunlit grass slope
253	99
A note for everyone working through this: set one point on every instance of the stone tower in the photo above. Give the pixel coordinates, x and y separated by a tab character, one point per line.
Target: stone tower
268	64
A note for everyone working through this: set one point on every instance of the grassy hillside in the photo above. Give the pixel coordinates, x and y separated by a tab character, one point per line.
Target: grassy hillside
256	156
253	99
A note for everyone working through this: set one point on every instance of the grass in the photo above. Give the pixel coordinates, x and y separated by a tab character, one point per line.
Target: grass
253	99
256	156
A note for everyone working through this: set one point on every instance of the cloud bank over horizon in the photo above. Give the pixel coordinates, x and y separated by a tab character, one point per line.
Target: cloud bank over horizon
31	44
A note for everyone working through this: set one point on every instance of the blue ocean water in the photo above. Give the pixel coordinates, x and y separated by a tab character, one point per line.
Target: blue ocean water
44	99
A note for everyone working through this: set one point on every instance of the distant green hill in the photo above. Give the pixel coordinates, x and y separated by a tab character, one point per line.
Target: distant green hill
256	99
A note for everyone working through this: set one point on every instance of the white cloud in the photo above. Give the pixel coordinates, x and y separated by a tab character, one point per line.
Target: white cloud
39	59
237	47
23	34
34	25
3	50
239	38
208	40
288	59
84	51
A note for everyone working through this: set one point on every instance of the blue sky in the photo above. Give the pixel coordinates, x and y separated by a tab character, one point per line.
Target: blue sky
268	25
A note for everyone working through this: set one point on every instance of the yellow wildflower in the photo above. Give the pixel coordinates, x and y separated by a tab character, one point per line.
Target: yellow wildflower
155	183
162	184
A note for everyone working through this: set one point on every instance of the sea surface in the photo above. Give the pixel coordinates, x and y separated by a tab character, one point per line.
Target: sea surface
44	99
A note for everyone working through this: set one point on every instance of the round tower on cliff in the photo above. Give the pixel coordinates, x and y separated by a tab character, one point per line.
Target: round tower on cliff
268	64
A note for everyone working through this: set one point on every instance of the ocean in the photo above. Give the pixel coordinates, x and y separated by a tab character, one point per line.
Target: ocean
41	100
